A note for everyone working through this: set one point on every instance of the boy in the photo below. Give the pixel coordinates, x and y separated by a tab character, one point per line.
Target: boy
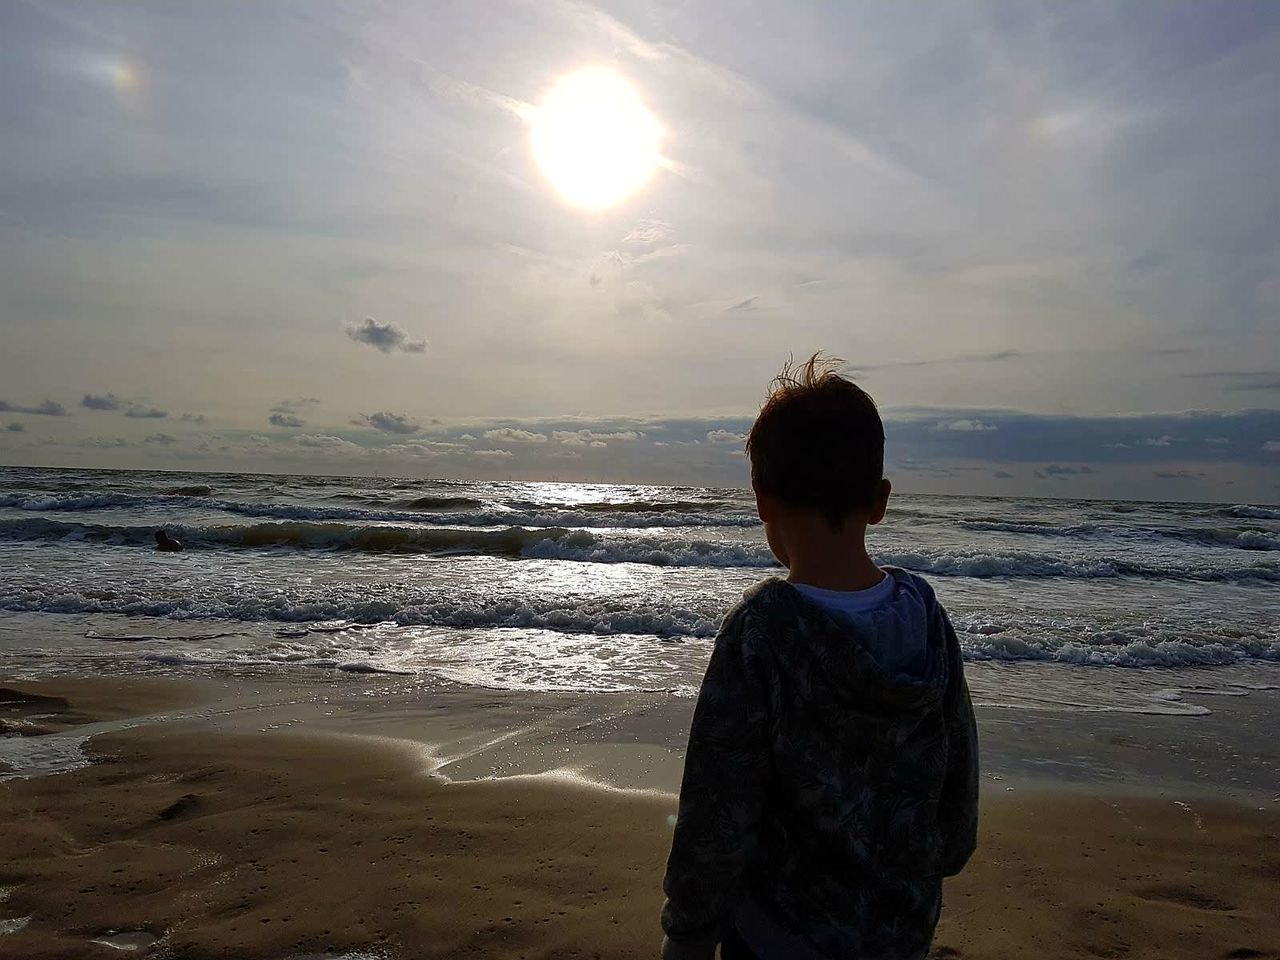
831	779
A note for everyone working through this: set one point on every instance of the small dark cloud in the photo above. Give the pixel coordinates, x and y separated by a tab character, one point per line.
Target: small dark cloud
995	357
285	413
387	422
1177	475
1055	470
101	401
746	304
387	337
1242	380
46	409
193	418
146	413
104	443
1151	260
1272	384
161	438
15	428
1002	475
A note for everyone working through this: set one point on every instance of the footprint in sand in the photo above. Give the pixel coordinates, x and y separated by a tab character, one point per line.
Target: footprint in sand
1185	897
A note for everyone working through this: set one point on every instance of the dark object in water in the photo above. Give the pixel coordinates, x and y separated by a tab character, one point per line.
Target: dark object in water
167	543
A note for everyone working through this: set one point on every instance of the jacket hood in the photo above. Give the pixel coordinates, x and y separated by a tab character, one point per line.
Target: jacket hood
833	650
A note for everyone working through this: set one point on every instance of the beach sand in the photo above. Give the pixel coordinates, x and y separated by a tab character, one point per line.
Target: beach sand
291	843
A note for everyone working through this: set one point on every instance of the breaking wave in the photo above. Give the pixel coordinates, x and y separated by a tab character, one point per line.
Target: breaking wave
1245	511
455	511
563	543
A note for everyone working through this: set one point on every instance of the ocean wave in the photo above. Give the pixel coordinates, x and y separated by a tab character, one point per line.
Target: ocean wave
1042	528
552	543
438	503
981	565
562	543
1246	511
433	510
1166	645
1238	539
44	502
627	506
359	604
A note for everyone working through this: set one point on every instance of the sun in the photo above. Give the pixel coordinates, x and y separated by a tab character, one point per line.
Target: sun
594	138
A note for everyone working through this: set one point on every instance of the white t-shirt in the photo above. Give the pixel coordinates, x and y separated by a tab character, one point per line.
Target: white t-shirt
893	655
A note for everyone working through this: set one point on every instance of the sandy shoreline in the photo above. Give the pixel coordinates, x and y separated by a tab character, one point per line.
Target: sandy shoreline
287	843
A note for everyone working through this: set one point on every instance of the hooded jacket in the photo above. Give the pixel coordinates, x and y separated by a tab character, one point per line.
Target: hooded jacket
823	799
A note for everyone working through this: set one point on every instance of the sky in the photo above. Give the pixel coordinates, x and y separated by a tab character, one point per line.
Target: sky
318	237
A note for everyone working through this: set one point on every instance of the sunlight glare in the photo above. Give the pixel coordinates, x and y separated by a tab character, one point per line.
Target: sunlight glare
594	138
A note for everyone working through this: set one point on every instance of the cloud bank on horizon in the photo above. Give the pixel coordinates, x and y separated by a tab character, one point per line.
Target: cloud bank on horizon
1043	235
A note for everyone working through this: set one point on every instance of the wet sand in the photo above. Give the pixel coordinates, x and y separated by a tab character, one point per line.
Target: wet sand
274	845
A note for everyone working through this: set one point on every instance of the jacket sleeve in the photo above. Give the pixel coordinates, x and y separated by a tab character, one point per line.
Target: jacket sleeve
726	773
958	810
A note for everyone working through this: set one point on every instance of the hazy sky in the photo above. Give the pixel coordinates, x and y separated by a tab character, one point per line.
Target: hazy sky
313	237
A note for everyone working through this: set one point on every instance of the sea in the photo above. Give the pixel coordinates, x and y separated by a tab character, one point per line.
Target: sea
602	588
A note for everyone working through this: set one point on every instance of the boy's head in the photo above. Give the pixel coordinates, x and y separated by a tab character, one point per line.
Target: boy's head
818	447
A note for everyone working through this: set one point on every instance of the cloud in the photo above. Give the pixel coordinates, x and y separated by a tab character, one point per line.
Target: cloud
387	337
1162	441
648	232
15	428
512	435
424	448
1176	475
592	438
492	454
101	401
1245	380
103	443
161	438
1271	446
746	304
965	426
46	409
1054	470
1002	475
285	413
317	441
193	418
725	436
146	413
387	422
996	357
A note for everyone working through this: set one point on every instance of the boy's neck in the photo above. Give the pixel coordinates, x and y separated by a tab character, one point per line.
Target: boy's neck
841	564
845	577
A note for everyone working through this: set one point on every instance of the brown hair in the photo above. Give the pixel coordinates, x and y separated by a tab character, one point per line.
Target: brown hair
818	441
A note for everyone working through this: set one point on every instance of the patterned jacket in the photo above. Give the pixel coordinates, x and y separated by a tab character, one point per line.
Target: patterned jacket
823	800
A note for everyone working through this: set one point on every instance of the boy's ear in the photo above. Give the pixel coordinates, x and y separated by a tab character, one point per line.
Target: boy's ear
882	502
767	507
